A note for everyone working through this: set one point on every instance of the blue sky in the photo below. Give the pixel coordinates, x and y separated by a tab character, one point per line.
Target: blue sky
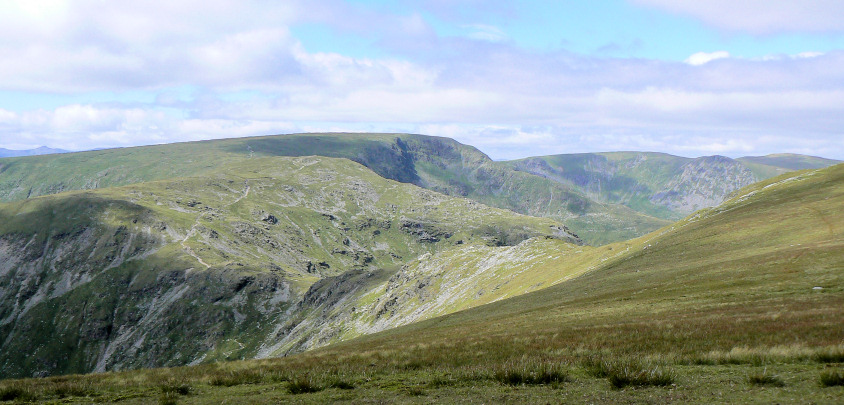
740	77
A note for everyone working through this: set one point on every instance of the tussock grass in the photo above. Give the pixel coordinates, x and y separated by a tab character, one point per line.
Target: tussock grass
16	392
629	372
832	378
439	381
232	378
168	398
832	354
531	373
633	374
175	388
71	388
765	379
341	384
759	356
303	385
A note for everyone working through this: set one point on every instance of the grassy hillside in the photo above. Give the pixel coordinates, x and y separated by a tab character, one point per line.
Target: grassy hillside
739	303
435	163
222	266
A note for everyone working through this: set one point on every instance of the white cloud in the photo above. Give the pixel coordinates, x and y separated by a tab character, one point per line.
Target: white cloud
701	58
486	32
760	16
249	76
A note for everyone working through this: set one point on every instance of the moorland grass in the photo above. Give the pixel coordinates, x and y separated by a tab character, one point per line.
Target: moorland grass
531	373
622	373
675	321
765	378
832	378
303	385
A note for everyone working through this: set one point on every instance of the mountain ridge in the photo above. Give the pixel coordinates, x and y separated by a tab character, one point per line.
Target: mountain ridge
749	288
437	163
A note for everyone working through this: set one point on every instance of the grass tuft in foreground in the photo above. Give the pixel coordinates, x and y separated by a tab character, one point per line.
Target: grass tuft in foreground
303	385
629	372
230	379
833	354
765	379
531	373
832	378
12	393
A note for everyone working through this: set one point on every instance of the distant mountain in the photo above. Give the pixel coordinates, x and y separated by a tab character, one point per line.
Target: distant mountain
658	184
440	164
777	164
42	150
741	302
239	248
602	197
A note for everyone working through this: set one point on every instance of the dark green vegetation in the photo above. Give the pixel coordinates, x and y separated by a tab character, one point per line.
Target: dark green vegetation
705	310
832	378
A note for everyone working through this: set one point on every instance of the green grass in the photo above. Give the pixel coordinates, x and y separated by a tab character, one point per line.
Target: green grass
689	314
765	379
438	164
531	373
832	378
130	247
303	385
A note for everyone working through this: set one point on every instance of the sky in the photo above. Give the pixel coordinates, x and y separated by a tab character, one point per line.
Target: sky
513	78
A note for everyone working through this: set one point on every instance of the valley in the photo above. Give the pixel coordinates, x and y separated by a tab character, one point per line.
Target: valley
405	268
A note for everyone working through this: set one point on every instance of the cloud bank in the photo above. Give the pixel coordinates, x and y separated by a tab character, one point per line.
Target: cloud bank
760	16
235	69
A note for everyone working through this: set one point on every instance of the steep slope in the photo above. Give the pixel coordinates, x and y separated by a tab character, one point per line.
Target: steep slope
435	163
659	184
213	267
736	304
758	272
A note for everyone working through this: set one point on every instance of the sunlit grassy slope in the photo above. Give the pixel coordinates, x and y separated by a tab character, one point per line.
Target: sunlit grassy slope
235	264
739	303
435	163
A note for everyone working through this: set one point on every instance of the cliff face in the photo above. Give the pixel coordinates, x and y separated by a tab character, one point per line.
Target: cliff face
702	183
216	267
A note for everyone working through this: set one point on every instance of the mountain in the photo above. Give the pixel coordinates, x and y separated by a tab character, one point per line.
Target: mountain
658	184
438	164
774	165
42	150
737	303
231	264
